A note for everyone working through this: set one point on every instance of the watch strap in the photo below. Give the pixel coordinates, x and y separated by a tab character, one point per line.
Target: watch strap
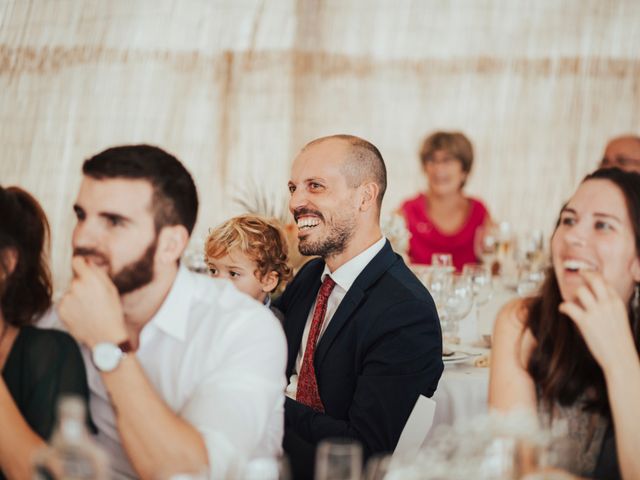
125	346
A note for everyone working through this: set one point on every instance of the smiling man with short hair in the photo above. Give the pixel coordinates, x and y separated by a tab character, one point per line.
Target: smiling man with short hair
363	333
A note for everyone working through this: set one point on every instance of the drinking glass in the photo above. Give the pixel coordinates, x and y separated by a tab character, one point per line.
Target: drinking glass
529	280
267	468
377	467
442	261
338	459
438	281
486	244
458	304
480	276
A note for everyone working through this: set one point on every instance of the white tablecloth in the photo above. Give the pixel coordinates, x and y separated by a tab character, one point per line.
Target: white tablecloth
461	394
463	389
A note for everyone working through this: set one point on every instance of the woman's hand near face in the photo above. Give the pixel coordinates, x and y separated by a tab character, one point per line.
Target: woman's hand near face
601	316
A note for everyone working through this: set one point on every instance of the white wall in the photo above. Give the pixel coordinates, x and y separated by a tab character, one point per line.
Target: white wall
235	87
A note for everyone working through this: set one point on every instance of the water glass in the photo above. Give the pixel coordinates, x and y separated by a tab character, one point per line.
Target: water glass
458	304
338	459
481	283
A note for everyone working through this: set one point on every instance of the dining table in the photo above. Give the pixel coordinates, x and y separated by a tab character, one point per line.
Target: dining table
462	392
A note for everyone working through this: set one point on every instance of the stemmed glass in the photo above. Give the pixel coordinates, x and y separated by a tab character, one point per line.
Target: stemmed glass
457	305
338	459
480	276
442	261
486	244
438	281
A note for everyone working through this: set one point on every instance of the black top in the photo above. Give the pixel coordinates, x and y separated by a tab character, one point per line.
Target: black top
607	467
42	366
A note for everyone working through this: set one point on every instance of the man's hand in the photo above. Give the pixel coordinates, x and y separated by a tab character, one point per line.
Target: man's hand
91	308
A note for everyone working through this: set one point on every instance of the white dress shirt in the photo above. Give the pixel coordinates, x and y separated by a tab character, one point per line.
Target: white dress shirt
217	358
344	276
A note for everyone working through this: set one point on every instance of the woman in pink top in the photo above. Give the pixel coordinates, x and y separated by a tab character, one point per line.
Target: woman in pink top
444	220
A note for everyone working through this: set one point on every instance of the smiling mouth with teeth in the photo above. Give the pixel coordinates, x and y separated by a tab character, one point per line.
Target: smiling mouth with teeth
577	266
307	223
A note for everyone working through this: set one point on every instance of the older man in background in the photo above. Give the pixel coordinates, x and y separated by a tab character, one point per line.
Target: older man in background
623	152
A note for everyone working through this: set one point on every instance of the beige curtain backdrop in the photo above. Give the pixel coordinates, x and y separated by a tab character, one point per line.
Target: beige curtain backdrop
235	87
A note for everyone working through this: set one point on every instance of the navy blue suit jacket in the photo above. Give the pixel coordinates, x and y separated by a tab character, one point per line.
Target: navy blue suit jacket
381	350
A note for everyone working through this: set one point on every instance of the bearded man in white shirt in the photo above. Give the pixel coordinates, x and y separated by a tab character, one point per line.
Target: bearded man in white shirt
186	373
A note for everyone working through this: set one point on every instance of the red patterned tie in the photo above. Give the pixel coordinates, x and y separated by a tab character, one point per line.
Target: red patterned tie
307	385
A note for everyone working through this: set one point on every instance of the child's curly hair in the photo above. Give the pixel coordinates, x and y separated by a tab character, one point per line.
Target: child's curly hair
261	239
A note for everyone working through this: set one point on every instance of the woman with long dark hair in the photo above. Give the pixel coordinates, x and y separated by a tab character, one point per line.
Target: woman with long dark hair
37	365
571	353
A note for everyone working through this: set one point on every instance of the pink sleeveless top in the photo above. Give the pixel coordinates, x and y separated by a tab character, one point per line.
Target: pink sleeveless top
426	239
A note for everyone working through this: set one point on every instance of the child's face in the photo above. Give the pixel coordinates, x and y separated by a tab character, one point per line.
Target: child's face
242	271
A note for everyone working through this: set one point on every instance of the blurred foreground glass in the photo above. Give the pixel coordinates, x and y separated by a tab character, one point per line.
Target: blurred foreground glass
377	467
73	454
267	469
338	459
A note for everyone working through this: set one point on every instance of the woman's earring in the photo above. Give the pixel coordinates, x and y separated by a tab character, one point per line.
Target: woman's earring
635	302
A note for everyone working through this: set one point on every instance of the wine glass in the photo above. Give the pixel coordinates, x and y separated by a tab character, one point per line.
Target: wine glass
458	304
480	276
338	459
486	243
442	261
438	282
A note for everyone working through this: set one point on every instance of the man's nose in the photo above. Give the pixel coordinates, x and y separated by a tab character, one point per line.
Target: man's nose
84	235
298	199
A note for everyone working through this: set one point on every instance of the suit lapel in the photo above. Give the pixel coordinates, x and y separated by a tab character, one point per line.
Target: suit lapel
354	297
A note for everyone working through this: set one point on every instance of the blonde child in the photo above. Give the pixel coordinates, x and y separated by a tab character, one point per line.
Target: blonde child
251	252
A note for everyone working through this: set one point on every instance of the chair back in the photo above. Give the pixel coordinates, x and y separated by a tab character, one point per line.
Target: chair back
416	429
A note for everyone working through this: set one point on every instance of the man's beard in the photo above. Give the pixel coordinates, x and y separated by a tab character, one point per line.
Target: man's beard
340	233
132	276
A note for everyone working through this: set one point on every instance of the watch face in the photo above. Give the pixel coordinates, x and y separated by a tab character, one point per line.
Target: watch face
106	356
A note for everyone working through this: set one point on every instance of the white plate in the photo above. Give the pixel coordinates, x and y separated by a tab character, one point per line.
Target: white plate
459	357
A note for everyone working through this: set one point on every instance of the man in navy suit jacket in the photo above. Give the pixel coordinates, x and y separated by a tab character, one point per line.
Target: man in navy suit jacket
379	344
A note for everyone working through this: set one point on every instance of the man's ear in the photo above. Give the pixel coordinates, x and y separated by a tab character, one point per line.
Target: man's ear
369	196
635	270
172	240
269	282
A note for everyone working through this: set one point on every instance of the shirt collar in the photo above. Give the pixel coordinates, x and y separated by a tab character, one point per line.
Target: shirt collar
346	274
172	316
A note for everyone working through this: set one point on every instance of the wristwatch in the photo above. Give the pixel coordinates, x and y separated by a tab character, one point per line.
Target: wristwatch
106	356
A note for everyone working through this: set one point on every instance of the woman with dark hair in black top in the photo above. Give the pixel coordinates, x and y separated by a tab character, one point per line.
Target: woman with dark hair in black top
38	366
570	353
